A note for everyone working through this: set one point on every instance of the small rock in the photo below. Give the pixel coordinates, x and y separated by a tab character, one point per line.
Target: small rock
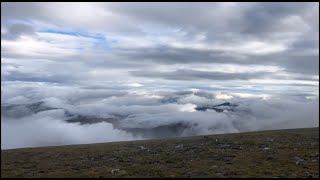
214	166
237	147
298	160
224	146
295	149
262	146
179	146
265	149
113	171
309	175
142	147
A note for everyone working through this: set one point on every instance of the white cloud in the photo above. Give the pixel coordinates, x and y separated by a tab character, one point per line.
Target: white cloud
188	108
145	111
135	85
224	96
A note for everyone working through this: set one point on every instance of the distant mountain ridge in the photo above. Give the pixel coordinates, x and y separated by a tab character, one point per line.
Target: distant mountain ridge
219	108
173	129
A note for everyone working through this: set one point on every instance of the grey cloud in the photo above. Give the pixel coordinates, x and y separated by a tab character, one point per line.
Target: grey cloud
28	77
197	75
246	22
153	119
265	18
170	55
16	30
294	60
248	19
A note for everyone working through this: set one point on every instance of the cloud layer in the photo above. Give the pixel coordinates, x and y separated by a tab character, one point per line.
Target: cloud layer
134	115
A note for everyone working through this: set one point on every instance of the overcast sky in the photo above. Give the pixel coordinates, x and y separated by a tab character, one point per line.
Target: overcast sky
150	44
136	57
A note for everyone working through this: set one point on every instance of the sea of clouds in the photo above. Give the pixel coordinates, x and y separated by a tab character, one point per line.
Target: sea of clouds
145	114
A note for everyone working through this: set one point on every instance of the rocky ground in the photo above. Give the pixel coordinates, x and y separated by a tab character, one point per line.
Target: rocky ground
278	153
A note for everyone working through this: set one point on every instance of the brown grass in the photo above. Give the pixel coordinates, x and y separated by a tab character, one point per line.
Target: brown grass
278	153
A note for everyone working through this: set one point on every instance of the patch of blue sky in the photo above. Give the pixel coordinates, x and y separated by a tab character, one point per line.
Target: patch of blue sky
100	40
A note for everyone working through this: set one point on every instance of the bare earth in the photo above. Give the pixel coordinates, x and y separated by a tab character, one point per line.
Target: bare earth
278	153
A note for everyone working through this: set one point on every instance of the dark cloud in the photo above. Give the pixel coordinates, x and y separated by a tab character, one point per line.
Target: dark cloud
27	77
198	75
170	55
16	30
293	61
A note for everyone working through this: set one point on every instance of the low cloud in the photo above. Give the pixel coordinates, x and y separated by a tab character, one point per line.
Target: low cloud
133	116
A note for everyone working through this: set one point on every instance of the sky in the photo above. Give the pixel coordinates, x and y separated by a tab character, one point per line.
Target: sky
130	58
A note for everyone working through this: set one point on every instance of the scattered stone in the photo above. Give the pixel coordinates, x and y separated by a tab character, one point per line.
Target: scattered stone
298	160
224	146
179	146
113	171
263	146
295	149
309	175
142	147
237	147
265	149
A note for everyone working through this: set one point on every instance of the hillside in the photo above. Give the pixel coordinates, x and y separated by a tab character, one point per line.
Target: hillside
277	153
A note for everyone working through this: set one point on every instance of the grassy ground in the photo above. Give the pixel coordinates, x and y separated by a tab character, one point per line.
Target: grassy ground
279	153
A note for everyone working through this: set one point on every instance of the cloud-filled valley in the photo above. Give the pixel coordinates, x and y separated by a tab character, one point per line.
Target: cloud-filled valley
75	73
80	116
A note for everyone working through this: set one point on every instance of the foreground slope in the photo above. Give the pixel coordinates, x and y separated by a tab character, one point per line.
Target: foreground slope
278	153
